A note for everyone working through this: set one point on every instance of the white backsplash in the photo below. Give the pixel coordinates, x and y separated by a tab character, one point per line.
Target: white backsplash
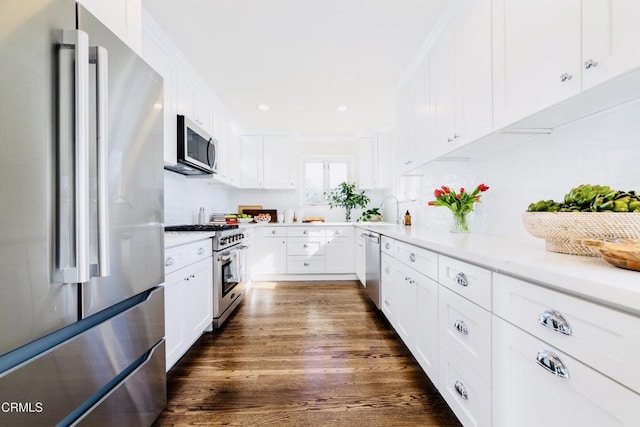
604	150
183	197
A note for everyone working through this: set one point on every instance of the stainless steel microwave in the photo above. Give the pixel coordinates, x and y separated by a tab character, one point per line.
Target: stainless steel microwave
197	150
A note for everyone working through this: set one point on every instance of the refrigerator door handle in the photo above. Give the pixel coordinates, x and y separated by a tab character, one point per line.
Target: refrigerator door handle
98	55
80	271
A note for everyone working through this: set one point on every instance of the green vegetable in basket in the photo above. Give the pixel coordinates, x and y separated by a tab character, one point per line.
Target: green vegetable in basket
591	198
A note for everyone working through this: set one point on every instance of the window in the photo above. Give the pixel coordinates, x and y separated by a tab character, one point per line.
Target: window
321	174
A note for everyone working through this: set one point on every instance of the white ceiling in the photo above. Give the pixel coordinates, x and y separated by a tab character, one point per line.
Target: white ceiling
301	57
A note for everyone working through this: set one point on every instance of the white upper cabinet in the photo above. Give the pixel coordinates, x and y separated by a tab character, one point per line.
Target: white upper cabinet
461	80
537	59
267	161
154	51
374	160
193	100
279	153
610	39
229	154
251	172
123	17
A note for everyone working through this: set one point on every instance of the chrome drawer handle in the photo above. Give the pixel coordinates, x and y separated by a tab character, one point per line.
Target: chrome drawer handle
461	390
305	232
387	245
200	251
388	270
306	264
552	363
338	232
169	261
412	257
461	327
461	279
554	320
387	303
274	232
305	245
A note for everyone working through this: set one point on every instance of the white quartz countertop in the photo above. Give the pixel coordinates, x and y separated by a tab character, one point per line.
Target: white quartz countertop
177	238
298	224
587	277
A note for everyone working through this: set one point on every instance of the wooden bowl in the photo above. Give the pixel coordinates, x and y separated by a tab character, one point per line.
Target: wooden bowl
624	253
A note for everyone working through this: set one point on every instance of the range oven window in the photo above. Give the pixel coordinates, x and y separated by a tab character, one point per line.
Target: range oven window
230	272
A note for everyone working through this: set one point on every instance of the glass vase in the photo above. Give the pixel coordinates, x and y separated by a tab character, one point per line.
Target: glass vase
459	223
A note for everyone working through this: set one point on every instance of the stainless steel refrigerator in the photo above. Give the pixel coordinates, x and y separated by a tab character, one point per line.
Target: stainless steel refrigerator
81	222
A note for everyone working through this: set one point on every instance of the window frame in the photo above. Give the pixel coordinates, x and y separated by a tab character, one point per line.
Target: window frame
326	159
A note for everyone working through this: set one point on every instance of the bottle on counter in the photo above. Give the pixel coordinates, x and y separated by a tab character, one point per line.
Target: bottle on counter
407	218
201	215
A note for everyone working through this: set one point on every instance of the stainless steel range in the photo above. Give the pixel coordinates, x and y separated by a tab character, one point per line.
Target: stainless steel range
228	259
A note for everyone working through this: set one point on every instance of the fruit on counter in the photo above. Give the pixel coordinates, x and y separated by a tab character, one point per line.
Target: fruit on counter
591	198
244	215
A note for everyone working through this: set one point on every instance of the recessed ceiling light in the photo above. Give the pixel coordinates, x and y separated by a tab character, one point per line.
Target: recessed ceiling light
263	107
342	108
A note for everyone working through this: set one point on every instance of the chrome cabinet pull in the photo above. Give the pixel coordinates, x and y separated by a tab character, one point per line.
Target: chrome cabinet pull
305	232
387	303
554	320
461	279
274	232
461	390
338	232
169	261
590	63
461	327
305	245
387	245
412	257
565	77
200	251
387	269
552	363
306	264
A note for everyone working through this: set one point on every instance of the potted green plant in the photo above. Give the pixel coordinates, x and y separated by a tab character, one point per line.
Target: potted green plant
346	196
372	215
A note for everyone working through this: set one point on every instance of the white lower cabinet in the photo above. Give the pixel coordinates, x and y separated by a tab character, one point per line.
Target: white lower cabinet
467	395
407	312
188	299
361	267
340	255
426	345
535	384
271	251
387	287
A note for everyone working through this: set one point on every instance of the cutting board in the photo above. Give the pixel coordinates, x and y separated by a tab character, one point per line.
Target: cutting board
241	208
254	212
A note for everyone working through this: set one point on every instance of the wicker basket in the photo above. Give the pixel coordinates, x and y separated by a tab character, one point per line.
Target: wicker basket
561	229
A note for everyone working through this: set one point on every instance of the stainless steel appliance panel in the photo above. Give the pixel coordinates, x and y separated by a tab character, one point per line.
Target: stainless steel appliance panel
136	401
372	262
134	173
68	375
32	303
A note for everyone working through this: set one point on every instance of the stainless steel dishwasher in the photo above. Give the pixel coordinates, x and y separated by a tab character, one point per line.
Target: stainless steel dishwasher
372	263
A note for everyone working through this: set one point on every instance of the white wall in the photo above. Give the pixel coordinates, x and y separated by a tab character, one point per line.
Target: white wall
183	197
603	149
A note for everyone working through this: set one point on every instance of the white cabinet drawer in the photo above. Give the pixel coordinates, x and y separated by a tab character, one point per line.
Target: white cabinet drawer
528	394
388	245
272	231
467	395
305	246
422	260
387	287
175	258
305	265
466	329
199	250
345	231
305	231
602	338
470	281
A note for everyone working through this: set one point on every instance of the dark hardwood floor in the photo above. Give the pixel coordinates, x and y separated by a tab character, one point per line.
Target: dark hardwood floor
303	354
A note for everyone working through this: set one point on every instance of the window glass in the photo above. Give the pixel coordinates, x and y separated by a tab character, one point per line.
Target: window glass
321	175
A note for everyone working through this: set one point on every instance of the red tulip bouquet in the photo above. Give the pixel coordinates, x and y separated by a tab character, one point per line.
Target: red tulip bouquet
461	203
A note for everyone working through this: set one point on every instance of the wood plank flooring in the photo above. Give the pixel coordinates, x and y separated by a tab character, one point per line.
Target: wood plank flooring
303	354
